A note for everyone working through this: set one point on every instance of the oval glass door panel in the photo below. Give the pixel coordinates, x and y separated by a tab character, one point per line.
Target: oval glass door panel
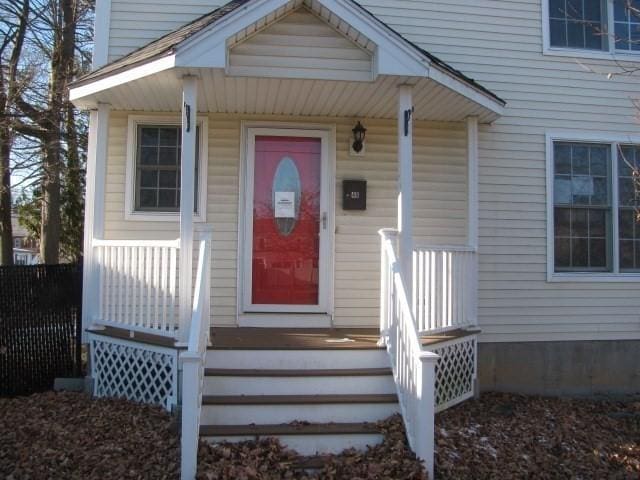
285	194
286	221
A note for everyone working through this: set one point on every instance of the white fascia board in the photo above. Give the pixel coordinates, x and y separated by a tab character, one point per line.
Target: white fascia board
121	78
208	48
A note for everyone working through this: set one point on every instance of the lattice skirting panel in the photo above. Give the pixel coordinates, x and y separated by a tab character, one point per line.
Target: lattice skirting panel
455	371
132	370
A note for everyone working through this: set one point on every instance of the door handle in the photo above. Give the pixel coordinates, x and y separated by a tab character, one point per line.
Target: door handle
324	220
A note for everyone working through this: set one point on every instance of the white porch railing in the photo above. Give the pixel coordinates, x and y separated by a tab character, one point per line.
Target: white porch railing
413	368
444	288
137	285
193	360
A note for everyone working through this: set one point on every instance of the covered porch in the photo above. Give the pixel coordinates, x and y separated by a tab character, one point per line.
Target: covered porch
288	69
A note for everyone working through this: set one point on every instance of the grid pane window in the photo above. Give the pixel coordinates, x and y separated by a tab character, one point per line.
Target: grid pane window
629	201
626	15
158	168
581	206
577	24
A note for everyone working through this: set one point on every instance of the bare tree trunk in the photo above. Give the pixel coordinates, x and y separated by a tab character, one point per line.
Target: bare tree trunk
8	93
50	226
6	230
61	74
73	204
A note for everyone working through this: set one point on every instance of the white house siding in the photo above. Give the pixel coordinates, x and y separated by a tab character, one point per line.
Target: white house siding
135	23
499	43
440	205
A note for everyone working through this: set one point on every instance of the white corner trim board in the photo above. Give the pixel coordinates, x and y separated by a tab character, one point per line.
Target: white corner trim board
130	213
101	27
587	137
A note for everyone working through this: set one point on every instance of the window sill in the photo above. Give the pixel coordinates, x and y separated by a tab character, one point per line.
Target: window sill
595	54
594	277
159	217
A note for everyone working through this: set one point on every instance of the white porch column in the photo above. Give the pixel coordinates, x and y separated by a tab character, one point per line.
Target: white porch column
97	151
472	179
472	214
405	184
187	188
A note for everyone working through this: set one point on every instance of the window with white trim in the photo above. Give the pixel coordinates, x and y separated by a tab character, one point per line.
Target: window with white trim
157	173
596	226
578	24
593	27
154	168
628	213
626	16
582	206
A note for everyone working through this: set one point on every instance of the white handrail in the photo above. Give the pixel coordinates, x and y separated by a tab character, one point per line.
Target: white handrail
413	368
136	243
136	285
193	361
444	248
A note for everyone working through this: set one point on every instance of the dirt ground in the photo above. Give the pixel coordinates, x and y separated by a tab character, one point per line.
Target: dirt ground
70	436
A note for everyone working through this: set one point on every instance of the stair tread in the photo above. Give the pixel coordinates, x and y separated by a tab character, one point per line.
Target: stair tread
289	429
296	399
349	372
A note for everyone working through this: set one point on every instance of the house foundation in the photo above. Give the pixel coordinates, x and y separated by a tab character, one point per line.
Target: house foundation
605	367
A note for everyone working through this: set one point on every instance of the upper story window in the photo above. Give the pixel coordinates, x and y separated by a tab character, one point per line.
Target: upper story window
594	207
626	15
591	27
577	24
154	166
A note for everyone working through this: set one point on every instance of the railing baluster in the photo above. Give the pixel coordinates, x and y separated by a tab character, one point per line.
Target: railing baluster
119	283
134	286
172	289
101	286
126	274
163	286
140	289
149	288
156	287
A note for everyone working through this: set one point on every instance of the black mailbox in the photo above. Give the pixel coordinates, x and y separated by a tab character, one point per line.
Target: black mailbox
354	195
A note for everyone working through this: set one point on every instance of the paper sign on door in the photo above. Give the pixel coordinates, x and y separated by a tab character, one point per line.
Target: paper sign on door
285	205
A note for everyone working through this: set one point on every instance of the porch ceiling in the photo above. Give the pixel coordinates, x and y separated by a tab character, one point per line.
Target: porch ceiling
220	93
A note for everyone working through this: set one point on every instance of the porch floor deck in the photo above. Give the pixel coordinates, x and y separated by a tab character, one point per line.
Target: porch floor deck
246	338
254	338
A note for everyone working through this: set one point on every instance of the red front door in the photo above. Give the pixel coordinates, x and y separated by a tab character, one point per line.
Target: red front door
286	221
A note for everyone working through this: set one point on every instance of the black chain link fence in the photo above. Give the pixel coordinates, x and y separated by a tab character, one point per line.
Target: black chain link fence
40	326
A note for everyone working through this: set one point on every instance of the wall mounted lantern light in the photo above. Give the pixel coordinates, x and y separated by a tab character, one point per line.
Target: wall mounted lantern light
359	132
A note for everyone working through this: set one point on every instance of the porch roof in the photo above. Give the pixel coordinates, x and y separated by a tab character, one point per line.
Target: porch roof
148	79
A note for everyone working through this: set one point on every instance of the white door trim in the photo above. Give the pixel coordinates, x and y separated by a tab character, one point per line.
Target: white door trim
245	215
